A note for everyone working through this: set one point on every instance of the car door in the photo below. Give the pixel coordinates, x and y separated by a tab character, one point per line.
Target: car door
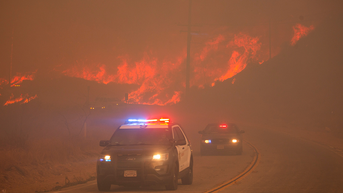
187	149
181	148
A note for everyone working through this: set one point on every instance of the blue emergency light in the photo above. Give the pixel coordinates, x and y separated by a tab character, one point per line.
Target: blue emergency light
163	120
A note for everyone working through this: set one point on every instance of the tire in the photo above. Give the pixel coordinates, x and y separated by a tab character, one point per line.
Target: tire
173	182
188	179
103	185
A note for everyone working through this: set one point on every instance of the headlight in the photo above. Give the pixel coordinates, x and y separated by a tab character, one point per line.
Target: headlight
160	157
234	140
207	141
106	158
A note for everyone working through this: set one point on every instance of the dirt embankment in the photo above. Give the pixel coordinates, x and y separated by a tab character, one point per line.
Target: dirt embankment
47	164
43	149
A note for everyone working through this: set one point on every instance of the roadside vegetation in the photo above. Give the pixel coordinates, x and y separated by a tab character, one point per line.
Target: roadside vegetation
45	147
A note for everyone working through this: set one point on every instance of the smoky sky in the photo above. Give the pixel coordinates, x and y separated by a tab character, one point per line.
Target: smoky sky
47	34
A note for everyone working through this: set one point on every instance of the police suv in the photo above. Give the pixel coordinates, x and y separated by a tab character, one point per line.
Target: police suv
221	138
145	152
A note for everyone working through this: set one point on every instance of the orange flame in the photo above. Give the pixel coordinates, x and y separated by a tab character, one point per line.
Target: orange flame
23	99
20	78
210	46
238	61
300	31
233	80
160	80
153	75
98	74
15	81
26	100
155	79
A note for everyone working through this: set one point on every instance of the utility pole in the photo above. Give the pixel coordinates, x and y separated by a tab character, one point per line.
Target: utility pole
270	39
9	81
189	36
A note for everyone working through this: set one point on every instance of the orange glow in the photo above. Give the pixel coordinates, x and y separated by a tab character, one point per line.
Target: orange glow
97	74
300	31
26	100
153	75
16	82
238	61
12	100
17	79
162	81
22	99
211	45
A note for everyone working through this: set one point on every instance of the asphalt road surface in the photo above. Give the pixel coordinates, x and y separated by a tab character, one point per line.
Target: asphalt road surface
286	164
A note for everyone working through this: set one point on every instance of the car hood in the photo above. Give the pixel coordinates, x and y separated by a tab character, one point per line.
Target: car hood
136	149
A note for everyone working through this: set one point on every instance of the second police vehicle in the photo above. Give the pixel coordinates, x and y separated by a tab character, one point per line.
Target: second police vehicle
221	138
144	152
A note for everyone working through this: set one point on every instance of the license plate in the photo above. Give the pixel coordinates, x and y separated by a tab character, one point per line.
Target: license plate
220	146
130	173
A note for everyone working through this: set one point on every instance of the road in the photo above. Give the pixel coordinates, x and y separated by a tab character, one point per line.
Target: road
286	164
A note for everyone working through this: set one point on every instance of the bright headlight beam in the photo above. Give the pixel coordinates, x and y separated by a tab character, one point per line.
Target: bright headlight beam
156	157
160	156
234	140
107	158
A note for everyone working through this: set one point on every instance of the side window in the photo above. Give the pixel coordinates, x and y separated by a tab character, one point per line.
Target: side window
176	134
179	135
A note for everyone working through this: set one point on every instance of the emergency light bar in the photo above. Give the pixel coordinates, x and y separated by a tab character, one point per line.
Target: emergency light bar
161	120
223	126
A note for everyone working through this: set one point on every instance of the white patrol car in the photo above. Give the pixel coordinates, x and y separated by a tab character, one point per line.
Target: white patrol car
144	152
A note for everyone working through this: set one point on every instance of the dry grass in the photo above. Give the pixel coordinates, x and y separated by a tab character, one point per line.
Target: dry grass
47	151
47	159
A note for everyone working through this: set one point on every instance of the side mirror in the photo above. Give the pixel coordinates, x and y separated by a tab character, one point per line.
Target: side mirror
201	132
104	143
242	131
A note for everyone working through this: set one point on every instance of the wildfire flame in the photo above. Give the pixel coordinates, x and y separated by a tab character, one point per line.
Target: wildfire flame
153	75
211	45
22	99
238	61
300	31
160	80
15	81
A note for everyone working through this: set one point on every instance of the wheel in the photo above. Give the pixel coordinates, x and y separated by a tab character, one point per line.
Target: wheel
103	185
172	184
188	179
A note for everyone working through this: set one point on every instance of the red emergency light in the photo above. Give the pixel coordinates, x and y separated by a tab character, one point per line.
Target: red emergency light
161	120
223	126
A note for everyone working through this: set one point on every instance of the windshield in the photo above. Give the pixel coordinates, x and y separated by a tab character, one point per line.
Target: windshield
141	137
216	129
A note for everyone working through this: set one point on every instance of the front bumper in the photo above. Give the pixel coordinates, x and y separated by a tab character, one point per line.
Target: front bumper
147	172
220	146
